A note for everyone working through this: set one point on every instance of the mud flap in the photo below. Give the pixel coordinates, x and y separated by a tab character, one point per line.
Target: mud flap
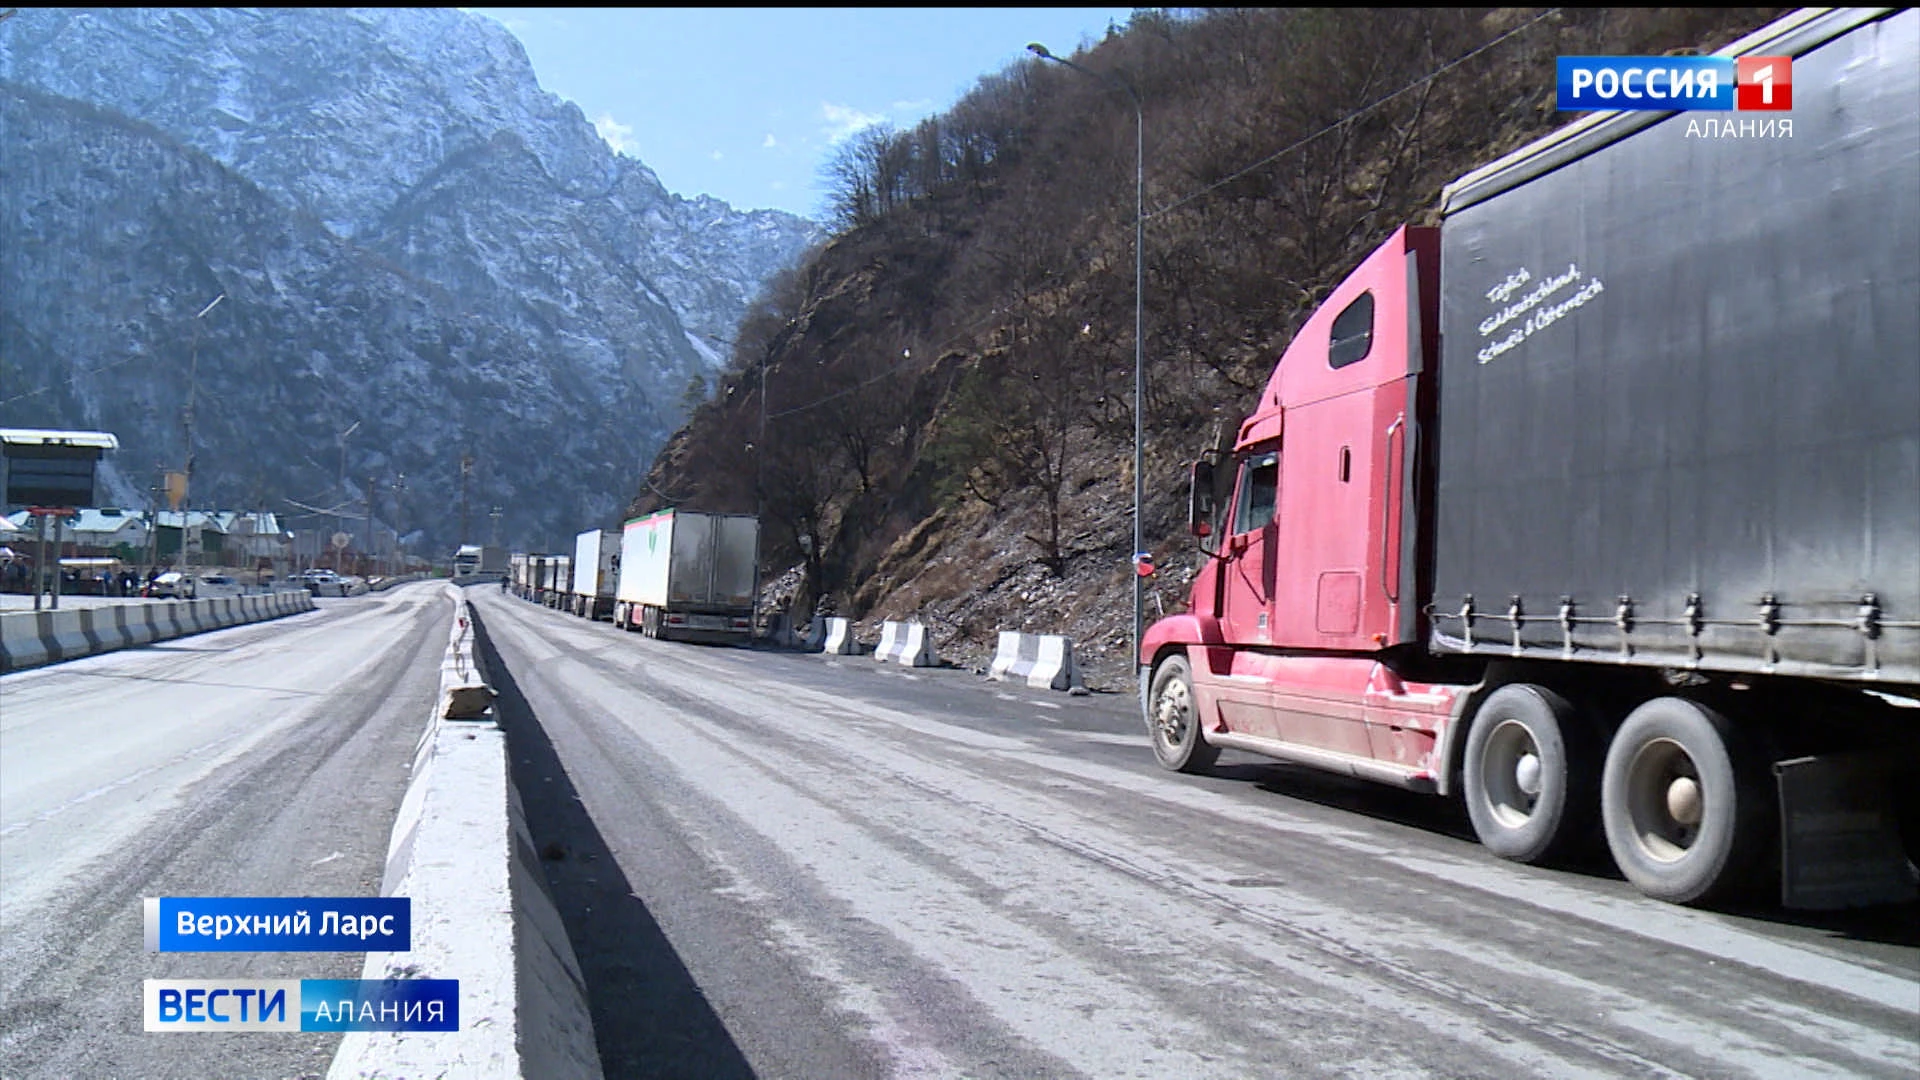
1840	842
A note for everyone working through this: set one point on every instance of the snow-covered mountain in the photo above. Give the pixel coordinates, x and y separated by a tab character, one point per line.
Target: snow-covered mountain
410	233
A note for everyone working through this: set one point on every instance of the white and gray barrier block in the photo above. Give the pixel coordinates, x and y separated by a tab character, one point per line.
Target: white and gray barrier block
1043	661
462	853
891	638
66	635
906	643
31	639
140	628
110	627
839	640
20	643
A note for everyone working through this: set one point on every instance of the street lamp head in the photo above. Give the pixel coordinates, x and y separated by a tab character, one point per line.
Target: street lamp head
1039	50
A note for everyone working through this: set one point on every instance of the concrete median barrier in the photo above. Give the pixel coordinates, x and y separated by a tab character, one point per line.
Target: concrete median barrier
66	635
30	639
21	645
462	853
173	615
108	627
139	624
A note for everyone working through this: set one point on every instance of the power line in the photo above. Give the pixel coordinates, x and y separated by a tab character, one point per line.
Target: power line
1350	117
967	331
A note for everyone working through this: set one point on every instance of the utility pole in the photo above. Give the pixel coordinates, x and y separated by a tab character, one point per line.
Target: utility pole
466	470
495	533
338	520
153	517
186	418
399	549
372	544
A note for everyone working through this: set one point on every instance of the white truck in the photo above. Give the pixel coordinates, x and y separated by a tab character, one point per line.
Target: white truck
596	565
689	576
555	580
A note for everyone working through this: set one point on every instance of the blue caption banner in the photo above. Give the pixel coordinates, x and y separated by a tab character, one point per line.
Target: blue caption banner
379	1005
234	1005
279	924
1666	83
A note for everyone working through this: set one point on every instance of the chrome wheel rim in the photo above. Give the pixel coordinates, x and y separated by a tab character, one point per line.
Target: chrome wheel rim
1173	715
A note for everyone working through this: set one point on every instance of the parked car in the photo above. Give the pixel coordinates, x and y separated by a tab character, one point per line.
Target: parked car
217	585
175	584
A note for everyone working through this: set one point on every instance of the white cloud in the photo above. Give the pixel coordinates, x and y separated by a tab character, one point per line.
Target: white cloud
616	134
843	121
769	142
718	156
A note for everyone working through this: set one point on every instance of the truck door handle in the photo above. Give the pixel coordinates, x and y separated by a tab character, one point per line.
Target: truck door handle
1391	470
1238	544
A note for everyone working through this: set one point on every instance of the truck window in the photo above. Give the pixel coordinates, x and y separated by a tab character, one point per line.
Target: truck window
1259	479
1352	336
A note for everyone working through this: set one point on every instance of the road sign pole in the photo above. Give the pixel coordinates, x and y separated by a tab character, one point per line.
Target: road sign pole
40	561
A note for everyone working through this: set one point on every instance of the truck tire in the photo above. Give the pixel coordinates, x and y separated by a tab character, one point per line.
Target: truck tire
1173	720
1685	809
1530	780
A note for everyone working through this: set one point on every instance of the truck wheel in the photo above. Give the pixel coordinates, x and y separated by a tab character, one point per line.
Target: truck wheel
1684	811
1528	791
1173	718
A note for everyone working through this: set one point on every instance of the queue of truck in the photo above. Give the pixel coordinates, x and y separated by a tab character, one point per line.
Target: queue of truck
675	575
1595	506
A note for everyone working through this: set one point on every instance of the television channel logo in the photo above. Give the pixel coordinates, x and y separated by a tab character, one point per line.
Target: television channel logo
1675	83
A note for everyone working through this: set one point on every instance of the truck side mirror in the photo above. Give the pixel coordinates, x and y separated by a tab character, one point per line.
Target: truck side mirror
1200	503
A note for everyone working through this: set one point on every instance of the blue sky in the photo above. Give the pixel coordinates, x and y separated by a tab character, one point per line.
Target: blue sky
746	104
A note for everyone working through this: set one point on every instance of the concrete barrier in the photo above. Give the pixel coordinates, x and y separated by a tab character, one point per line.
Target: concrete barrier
31	639
173	614
839	640
96	625
462	852
1013	656
66	637
109	627
1055	670
1043	661
906	643
21	646
140	629
891	636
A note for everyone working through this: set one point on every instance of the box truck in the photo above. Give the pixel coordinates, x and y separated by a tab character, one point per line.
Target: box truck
556	582
1598	504
689	576
596	561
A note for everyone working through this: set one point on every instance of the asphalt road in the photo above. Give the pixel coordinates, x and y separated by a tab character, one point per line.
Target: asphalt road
262	760
781	865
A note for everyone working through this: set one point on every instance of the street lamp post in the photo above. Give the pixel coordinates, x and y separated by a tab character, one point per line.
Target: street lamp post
338	520
1139	320
193	385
